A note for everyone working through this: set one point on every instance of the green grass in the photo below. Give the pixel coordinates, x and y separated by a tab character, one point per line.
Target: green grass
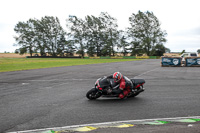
16	64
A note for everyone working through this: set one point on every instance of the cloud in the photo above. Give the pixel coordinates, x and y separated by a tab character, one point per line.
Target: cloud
188	40
180	18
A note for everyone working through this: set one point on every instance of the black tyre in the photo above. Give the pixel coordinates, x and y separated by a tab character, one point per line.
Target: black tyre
93	94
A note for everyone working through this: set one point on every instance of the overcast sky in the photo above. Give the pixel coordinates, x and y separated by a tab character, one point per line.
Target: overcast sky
180	18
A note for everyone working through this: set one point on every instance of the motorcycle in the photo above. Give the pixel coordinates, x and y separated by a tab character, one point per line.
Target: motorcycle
108	88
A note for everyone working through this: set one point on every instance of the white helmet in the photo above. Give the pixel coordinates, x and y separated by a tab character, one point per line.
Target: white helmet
117	76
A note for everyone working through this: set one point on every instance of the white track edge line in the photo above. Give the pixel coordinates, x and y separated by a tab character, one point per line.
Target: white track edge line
147	72
105	123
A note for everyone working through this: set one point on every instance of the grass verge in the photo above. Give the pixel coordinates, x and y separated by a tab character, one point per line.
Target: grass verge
17	64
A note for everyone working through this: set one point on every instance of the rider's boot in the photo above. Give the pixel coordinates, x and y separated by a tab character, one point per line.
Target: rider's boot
124	94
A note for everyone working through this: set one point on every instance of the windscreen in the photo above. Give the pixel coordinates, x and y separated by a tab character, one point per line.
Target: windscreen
104	82
193	54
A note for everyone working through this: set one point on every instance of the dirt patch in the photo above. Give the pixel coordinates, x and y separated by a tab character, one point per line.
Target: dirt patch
12	55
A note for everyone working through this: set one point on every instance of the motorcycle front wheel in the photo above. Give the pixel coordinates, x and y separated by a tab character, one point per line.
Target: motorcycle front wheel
93	94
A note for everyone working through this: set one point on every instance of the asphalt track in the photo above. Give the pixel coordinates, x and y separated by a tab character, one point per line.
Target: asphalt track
55	97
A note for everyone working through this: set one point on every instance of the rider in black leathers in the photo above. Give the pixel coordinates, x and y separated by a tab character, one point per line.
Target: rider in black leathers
123	85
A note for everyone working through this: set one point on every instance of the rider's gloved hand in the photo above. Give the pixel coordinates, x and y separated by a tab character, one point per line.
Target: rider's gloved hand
121	88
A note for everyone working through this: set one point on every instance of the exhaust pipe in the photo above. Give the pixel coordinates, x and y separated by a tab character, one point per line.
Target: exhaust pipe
140	90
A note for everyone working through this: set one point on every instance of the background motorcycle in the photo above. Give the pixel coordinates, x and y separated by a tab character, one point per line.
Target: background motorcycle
107	87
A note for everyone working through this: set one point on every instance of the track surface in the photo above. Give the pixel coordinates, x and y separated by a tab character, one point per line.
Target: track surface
55	97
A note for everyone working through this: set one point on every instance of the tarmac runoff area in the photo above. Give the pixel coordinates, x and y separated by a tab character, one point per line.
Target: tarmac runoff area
53	99
164	125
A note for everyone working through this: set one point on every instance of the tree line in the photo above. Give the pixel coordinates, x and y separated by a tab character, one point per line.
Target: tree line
92	35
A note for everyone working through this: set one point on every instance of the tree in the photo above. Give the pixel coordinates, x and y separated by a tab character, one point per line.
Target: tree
167	50
101	34
145	31
159	50
123	44
25	38
23	50
42	35
92	35
110	32
198	51
182	52
61	46
53	32
65	46
17	51
76	27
